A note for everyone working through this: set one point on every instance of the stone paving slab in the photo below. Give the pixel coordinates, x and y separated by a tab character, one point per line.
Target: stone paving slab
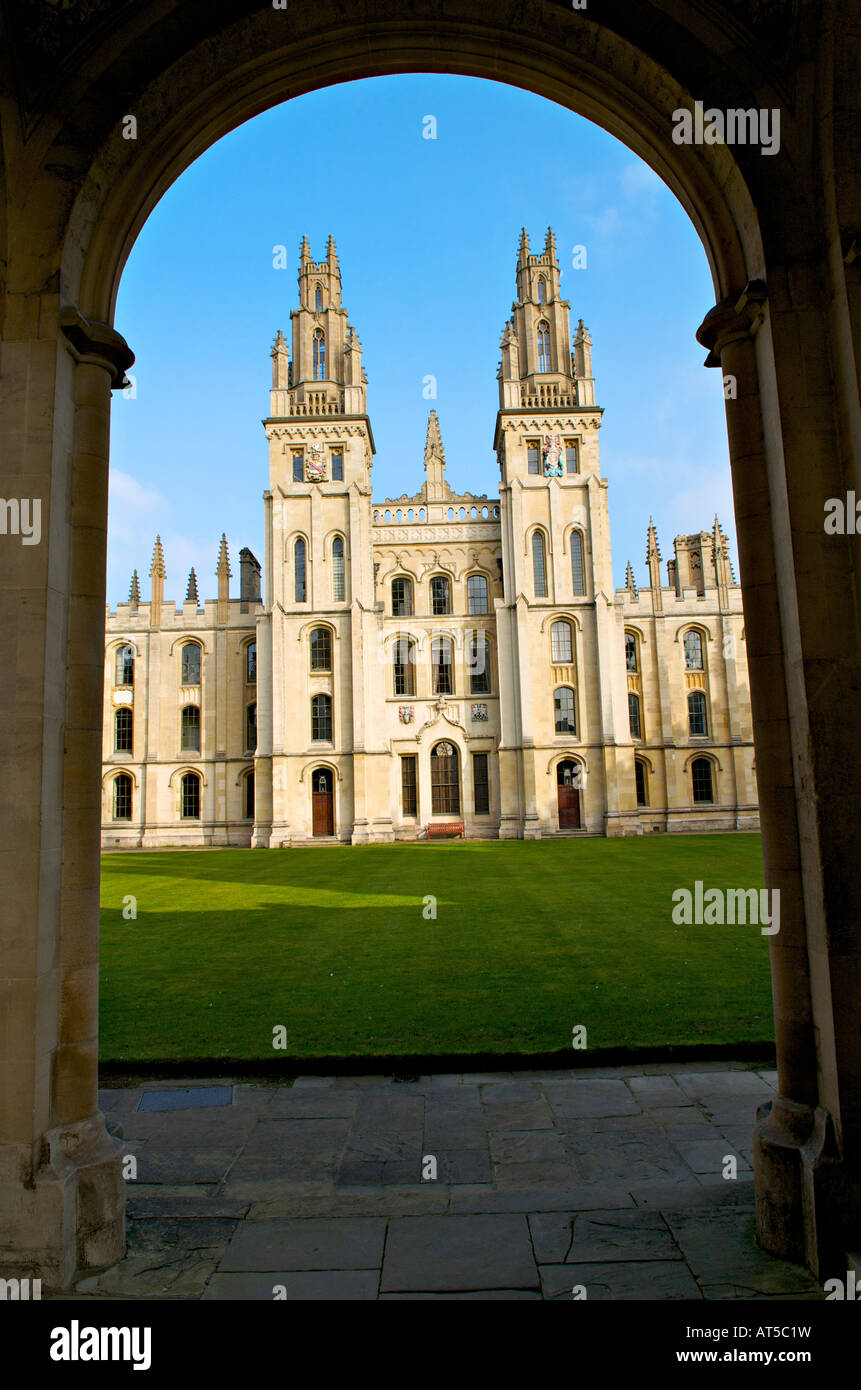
595	1237
318	1285
324	1243
636	1281
457	1253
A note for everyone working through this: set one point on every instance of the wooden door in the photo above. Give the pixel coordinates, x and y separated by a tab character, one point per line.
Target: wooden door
568	796
323	802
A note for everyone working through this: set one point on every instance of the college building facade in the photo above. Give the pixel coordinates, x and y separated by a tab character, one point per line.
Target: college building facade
437	662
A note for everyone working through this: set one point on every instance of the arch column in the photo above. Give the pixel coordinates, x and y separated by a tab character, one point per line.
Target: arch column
61	1189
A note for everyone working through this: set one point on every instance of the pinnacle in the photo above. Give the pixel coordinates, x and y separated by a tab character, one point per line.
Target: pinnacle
223	558
135	589
191	591
433	444
157	567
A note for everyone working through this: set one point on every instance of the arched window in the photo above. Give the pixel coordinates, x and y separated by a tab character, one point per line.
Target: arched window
634	723
248	795
479	664
542	289
402	598
191	664
123	721
338	569
476	594
251	728
440	594
123	797
403	665
693	650
701	779
300	587
543	348
318	299
563	703
441	664
539	565
189	738
319	355
190	797
321	649
125	668
251	664
641	777
561	644
578	574
698	725
445	780
321	718
631	652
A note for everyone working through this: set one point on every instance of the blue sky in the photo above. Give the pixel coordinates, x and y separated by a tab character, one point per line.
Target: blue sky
427	234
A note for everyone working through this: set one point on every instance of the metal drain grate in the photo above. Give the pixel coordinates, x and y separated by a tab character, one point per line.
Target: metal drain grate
186	1098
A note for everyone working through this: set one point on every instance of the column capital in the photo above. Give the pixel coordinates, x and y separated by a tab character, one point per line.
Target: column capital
738	316
98	343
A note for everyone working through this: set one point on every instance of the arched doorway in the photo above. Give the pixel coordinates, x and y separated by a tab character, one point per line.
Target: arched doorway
445	780
322	802
568	794
785	329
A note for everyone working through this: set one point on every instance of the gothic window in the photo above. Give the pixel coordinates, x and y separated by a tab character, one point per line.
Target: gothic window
479	664
321	718
298	468
542	289
480	784
572	463
630	652
409	786
190	797
318	299
533	463
701	779
338	569
251	664
539	565
441	662
319	355
403	663
300	587
543	348
693	650
125	668
561	644
251	728
641	781
563	703
697	717
634	723
445	781
248	790
123	797
402	598
191	664
321	649
123	720
578	577
440	595
189	729
337	466
476	594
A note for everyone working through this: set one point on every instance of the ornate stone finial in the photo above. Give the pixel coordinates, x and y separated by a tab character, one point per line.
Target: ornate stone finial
223	570
653	550
135	590
630	582
191	591
550	246
157	569
523	250
304	252
332	252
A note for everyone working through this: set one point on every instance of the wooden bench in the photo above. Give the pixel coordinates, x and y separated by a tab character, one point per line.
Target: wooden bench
449	827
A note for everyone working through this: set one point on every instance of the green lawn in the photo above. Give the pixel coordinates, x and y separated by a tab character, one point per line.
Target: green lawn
531	938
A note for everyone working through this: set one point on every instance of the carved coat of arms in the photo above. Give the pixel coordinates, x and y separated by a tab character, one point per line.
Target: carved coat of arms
479	714
552	454
406	714
315	464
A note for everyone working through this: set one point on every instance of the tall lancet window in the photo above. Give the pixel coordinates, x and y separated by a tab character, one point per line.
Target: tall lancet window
539	566
542	290
319	355
300	590
543	348
338	569
318	299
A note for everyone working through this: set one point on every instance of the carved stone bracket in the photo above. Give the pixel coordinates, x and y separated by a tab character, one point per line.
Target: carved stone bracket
90	341
732	319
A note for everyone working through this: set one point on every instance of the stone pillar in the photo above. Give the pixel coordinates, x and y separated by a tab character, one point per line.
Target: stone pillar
62	1202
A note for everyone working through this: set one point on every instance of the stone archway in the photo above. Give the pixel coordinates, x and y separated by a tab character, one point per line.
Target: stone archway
784	329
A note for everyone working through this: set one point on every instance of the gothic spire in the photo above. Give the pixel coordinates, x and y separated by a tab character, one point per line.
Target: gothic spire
223	570
191	591
157	567
523	253
435	485
630	582
135	590
550	246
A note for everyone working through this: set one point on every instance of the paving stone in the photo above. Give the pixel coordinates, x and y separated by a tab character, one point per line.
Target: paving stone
729	1291
310	1103
363	1083
596	1237
401	1172
692	1193
188	1200
317	1286
533	1114
443	1080
254	1098
689	1114
360	1172
315	1081
119	1099
430	1198
657	1279
527	1146
454	1120
707	1155
465	1166
625	1158
387	1127
584	1098
720	1248
155	1274
172	1233
769	1077
740	1137
610	1124
182	1163
680	1135
708	1084
457	1253
568	1197
651	1091
328	1243
489	1295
